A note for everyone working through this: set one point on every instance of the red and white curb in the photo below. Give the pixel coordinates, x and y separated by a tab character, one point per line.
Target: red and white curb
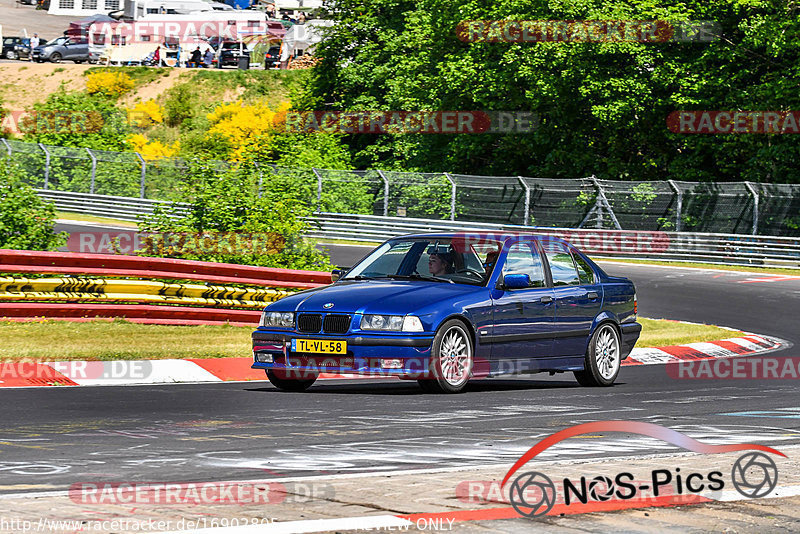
138	372
747	345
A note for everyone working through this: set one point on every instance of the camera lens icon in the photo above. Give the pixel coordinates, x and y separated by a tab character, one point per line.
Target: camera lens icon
754	475
532	494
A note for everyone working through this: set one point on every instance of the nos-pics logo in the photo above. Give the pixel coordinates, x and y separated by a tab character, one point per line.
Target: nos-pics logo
533	494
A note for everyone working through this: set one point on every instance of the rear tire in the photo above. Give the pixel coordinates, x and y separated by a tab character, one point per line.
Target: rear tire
451	359
602	363
10	54
289	384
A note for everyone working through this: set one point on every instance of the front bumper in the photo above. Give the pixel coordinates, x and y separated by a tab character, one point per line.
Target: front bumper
366	354
630	335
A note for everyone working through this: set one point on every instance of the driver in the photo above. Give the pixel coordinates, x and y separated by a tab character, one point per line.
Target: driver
491	259
440	263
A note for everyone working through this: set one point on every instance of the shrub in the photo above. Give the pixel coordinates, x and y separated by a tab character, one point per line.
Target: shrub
112	84
227	202
26	221
145	114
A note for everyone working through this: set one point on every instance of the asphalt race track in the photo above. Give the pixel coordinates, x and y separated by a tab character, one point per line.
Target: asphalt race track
53	437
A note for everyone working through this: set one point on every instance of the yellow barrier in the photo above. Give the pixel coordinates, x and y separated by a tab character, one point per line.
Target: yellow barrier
99	289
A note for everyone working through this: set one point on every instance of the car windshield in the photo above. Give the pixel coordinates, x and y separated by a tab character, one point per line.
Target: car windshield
58	40
435	259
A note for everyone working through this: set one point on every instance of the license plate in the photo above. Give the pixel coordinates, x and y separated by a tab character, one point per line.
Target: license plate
319	346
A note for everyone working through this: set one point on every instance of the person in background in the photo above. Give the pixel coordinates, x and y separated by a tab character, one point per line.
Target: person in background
208	58
157	57
35	41
270	11
301	18
197	57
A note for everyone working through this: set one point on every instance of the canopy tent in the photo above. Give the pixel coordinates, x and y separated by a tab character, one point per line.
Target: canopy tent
302	37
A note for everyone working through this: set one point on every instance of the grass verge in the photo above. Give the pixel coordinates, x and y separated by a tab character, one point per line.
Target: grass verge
697	265
122	340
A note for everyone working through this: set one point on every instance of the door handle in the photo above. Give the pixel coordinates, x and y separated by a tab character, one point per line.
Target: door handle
546	300
592	295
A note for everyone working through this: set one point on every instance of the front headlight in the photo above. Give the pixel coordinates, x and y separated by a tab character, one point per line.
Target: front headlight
392	323
279	319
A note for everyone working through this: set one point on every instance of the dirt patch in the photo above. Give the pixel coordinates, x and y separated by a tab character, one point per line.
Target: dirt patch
156	88
27	83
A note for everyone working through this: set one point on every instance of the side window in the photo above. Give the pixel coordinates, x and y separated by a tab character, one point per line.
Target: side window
522	258
585	271
561	265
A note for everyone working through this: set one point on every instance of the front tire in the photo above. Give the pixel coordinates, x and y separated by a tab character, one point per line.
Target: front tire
55	57
10	54
602	363
289	384
451	359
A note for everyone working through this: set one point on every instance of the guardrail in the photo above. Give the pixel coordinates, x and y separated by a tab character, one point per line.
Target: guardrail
122	208
145	298
732	249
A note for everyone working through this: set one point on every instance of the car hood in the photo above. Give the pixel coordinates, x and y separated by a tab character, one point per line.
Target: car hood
384	297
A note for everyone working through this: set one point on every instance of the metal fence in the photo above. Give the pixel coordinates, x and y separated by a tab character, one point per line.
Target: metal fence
730	207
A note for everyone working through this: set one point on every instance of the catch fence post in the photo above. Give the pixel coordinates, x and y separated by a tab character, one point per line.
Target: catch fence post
94	170
679	194
756	197
601	197
8	147
142	174
46	165
452	196
319	189
527	200
385	193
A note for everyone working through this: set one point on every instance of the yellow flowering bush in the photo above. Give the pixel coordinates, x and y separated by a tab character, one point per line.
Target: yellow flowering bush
245	125
152	150
108	83
145	114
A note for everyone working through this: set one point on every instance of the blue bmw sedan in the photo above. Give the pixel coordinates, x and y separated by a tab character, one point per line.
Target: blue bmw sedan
446	308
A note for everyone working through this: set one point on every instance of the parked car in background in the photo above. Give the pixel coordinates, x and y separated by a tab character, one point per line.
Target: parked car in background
230	52
272	58
446	308
62	48
16	47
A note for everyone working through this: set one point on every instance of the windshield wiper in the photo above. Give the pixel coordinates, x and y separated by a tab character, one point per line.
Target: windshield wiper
417	276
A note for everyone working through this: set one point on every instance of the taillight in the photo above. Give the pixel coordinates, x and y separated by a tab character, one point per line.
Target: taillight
635	305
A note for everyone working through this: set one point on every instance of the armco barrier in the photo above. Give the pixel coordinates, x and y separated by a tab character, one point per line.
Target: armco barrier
81	297
171	315
114	265
110	290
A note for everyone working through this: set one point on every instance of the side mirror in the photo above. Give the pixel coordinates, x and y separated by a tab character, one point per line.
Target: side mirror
516	281
337	273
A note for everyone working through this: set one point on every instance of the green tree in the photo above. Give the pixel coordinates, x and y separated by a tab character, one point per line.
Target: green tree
602	106
26	221
226	203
